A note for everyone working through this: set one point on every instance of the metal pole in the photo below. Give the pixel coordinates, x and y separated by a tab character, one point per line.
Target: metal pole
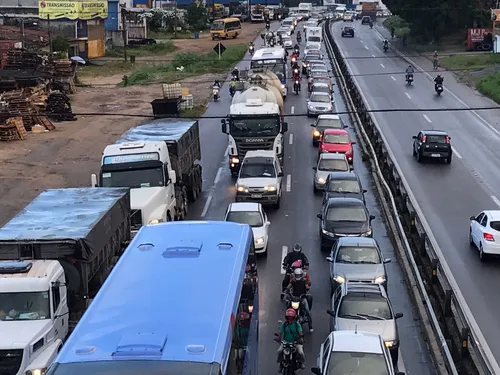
124	31
220	53
175	19
22	33
50	34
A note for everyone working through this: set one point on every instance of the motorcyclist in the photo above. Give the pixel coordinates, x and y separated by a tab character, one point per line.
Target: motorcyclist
232	86
251	47
386	44
291	332
296	73
438	81
296	50
409	71
435	61
371	24
236	73
393	30
293	58
290	258
216	84
299	37
268	25
299	286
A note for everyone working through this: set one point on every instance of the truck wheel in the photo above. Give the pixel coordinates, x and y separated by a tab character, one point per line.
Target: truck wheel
185	206
73	278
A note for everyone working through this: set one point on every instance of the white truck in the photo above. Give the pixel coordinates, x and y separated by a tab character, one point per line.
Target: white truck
314	35
159	162
305	10
54	256
254	123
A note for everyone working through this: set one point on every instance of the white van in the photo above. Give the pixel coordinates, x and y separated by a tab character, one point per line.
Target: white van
314	35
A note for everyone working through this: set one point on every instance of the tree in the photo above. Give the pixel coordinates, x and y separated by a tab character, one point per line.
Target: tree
196	17
60	44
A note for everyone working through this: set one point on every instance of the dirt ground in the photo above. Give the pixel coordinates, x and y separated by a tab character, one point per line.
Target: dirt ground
68	156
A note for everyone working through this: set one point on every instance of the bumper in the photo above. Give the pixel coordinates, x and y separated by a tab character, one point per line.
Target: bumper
327	242
348	34
435	155
260	248
316	112
491	248
319	186
263	199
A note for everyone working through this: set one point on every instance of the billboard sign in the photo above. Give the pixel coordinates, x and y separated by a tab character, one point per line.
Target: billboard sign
72	10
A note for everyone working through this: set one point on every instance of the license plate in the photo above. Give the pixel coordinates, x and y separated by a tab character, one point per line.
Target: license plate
256	195
435	155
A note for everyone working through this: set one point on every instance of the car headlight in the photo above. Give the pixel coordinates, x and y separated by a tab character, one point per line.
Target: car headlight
259	241
321	180
286	351
390	343
242	188
156	221
235	160
339	279
270	188
310	107
316	133
37	371
282	87
295	305
379	280
367	234
326	233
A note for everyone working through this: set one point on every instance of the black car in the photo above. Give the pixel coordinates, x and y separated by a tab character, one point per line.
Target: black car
325	122
343	217
348	31
308	58
432	144
366	20
343	185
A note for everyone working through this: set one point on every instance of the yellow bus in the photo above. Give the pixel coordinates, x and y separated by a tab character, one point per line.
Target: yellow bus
225	28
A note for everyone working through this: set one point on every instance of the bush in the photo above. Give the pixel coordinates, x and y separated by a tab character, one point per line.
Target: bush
490	86
60	44
401	27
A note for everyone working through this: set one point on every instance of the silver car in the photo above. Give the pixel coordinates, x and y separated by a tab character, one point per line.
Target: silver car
319	103
357	259
366	308
287	42
328	163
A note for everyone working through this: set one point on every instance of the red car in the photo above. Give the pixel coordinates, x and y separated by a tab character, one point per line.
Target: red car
337	141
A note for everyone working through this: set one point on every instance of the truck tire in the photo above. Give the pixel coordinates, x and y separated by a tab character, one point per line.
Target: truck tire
185	205
196	184
73	278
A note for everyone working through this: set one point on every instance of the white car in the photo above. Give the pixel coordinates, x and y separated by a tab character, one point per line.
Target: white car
328	163
253	215
484	233
312	47
287	42
284	31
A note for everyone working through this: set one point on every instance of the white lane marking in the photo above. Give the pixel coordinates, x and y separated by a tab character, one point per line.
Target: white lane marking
427	118
382	65
292	110
207	205
392	77
373	55
226	153
288	182
496	200
284	252
366	47
457	154
408	95
217	176
290	139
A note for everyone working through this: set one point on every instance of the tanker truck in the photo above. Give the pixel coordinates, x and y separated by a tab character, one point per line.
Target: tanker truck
255	122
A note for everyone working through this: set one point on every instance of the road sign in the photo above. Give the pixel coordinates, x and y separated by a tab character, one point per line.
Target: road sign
219	49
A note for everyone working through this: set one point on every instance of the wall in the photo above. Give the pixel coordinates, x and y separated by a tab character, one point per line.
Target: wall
111	23
114	38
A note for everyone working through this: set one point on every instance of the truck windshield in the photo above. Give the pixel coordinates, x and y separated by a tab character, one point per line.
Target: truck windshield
254	126
134	178
217	25
24	306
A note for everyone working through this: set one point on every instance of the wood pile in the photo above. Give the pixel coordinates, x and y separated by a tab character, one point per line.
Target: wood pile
59	107
23	60
18	104
13	130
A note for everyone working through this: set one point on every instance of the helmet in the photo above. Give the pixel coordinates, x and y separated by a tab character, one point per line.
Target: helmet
439	74
290	313
297	264
297	248
409	66
298	274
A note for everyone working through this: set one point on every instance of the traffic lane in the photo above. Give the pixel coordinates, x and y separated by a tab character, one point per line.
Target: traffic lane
472	140
438	188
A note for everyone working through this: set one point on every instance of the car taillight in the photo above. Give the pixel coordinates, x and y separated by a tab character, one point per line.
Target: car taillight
488	237
447	139
424	138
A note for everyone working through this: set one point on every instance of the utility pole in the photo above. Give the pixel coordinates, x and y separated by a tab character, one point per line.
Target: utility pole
22	32
124	31
50	34
175	19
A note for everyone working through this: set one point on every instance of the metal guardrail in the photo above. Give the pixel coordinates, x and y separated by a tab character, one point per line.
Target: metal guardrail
463	348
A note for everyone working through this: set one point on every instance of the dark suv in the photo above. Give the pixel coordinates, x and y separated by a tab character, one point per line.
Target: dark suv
365	20
432	144
348	31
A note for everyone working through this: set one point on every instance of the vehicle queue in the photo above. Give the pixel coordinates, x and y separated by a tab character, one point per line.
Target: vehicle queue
364	335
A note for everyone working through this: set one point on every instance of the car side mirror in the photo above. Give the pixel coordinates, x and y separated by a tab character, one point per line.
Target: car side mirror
93	180
372	217
473	218
285	126
400	373
387	260
330	312
280	174
353	143
312	125
276	335
307	100
398	315
319	216
345	126
449	137
223	127
330	259
316	370
414	137
365	191
315	168
268	223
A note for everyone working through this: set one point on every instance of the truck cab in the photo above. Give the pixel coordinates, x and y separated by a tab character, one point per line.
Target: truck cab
33	315
253	125
145	168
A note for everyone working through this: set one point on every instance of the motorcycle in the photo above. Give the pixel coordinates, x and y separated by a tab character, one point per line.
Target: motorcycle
299	39
409	79
232	91
439	88
293	61
304	68
297	52
290	364
251	50
295	303
296	86
268	26
386	47
371	26
215	92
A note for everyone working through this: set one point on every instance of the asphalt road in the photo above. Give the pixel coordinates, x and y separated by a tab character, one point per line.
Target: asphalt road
447	194
296	222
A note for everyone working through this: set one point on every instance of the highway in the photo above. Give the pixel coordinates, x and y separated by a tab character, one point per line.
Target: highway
295	222
447	194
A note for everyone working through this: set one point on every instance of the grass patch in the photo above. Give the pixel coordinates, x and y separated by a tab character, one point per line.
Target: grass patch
140	51
196	111
401	27
162	34
193	64
490	86
470	62
108	69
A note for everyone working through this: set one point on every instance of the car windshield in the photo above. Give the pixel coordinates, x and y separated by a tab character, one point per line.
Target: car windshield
312	56
348	28
316	39
319	68
346	213
435	139
358	254
327	123
256	170
252	218
345	363
320	98
287	39
344	186
24	306
254	126
134	178
217	25
322	88
287	23
333	165
364	306
336	138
